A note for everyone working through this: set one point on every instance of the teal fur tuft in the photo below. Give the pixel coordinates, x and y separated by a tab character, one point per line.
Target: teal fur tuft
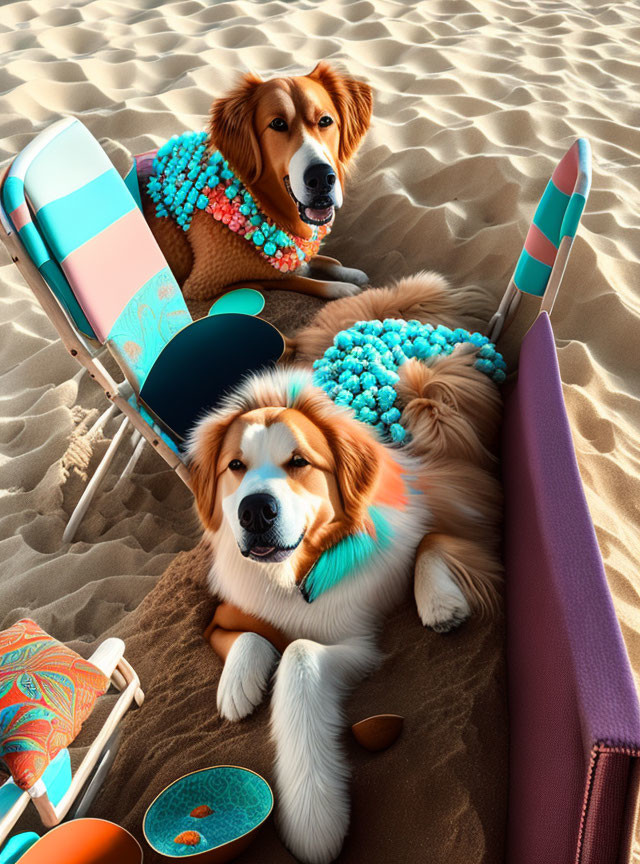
295	389
348	557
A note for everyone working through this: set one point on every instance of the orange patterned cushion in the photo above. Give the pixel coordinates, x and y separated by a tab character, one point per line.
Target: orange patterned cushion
46	693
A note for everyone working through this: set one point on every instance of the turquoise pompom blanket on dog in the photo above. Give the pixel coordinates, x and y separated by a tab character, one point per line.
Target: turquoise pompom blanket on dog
360	370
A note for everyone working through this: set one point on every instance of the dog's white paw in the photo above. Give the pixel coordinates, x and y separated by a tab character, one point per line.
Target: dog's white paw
441	604
245	677
336	290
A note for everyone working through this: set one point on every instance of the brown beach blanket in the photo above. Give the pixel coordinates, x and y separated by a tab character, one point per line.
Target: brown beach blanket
438	794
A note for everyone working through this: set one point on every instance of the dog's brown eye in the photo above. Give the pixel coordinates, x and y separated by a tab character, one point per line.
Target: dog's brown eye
236	465
297	462
325	121
279	124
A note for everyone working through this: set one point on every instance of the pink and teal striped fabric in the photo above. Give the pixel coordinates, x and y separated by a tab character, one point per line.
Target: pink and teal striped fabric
557	216
14	200
84	230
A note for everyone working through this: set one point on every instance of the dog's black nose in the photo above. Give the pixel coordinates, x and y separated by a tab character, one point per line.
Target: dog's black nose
257	512
319	178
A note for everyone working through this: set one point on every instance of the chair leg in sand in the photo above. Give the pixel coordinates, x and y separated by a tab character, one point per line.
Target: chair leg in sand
138	446
92	486
101	421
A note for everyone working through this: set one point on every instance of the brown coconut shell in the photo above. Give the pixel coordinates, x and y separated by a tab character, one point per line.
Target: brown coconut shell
378	732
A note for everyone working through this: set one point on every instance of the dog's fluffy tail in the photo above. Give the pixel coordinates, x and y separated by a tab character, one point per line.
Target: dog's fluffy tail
451	409
426	297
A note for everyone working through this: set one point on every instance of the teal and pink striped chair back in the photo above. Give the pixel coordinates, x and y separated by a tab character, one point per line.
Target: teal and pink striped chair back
84	230
17	210
547	246
556	219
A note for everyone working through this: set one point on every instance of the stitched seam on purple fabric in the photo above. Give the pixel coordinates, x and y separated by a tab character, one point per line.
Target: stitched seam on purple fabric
585	804
596	750
605	745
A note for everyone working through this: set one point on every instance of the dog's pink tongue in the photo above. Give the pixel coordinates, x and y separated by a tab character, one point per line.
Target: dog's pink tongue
318	215
262	550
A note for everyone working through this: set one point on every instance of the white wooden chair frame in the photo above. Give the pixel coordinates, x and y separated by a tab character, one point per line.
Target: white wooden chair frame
109	658
508	307
86	355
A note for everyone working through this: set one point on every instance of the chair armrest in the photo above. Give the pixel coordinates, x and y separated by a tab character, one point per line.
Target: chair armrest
52	787
107	656
51	815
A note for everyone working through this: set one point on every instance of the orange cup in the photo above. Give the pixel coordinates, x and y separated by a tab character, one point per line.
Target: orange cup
85	841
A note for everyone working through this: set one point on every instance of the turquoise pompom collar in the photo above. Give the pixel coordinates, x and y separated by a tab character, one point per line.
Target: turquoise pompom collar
360	370
187	177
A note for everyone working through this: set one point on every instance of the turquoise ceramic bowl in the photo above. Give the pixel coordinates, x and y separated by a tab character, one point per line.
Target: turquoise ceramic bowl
240	801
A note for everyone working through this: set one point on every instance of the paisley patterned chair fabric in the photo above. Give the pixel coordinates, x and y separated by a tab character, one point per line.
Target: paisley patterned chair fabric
146	324
46	693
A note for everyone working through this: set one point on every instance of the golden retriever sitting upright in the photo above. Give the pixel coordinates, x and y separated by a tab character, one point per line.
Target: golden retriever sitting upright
287	143
316	528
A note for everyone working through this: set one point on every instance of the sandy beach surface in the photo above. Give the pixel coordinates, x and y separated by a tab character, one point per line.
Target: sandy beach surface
475	102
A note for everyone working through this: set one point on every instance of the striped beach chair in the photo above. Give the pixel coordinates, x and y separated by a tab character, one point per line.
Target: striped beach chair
76	232
59	791
548	243
75	229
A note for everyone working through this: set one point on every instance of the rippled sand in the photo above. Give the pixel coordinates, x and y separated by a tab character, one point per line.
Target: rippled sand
474	104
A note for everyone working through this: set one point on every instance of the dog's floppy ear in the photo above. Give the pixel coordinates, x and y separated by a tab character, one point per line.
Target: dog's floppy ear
231	130
204	449
354	102
357	471
358	456
357	459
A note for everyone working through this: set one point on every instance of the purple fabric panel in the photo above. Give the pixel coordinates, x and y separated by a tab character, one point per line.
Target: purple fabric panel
570	684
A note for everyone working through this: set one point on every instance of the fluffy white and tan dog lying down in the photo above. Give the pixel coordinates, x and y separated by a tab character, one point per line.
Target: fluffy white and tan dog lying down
314	526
